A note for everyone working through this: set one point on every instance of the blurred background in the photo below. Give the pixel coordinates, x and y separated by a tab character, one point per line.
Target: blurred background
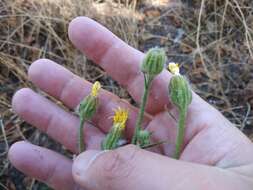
212	41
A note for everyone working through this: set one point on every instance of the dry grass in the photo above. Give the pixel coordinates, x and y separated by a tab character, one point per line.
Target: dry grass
212	40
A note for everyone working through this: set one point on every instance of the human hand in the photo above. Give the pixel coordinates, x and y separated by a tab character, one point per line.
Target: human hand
216	155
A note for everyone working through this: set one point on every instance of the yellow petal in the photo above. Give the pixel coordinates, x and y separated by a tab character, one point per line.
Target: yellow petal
120	116
95	89
173	68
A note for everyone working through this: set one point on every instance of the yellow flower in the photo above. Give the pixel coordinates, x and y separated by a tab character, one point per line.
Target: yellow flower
95	89
120	117
173	68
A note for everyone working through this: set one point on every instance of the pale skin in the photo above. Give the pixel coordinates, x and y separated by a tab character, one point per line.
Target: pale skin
216	155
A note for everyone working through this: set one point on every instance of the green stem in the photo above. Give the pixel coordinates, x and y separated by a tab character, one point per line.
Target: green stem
180	133
81	144
147	85
153	144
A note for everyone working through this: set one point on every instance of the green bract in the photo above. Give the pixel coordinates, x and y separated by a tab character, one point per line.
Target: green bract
88	107
112	138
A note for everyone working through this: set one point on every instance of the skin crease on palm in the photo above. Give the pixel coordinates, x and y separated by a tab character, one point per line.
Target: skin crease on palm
216	155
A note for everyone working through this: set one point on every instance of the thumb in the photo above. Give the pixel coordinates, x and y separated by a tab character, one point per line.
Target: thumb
132	168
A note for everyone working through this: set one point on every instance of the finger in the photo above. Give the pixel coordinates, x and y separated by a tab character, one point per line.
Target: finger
220	145
53	120
71	89
43	164
131	168
164	127
119	60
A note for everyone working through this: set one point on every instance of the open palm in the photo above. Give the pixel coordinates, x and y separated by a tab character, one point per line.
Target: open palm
210	139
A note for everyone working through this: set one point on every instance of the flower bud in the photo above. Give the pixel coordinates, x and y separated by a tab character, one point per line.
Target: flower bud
114	136
144	138
153	62
88	106
180	92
